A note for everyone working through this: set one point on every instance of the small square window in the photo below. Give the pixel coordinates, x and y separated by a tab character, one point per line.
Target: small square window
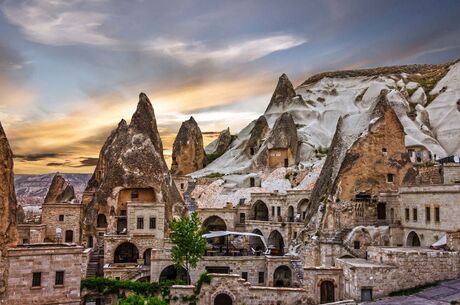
390	178
244	275
242	217
278	211
273	211
261	277
134	195
384	150
407	214
181	186
414	215
123	213
61	217
153	223
357	245
437	214
140	223
428	214
25	241
59	280
36	279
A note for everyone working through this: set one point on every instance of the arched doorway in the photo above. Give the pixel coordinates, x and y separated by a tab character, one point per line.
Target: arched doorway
290	214
223	299
282	277
413	240
327	292
302	208
146	256
276	243
260	211
214	223
126	253
68	236
101	221
172	273
255	243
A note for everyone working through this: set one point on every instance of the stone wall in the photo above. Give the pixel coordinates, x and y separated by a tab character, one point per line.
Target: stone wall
71	220
47	259
31	233
241	292
451	173
315	276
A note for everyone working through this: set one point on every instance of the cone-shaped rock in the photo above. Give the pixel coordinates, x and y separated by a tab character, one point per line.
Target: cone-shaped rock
258	134
188	151
131	157
8	207
59	191
221	144
283	93
284	134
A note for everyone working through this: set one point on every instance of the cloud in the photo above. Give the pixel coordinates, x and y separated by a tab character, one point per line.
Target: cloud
58	23
88	162
192	52
36	157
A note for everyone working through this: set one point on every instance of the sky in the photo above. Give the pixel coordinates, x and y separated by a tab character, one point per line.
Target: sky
71	69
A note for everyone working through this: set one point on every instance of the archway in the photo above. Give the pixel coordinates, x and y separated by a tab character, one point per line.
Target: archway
260	211
223	299
413	240
172	273
302	208
290	214
126	253
255	243
327	292
101	221
146	256
68	236
214	223
276	243
282	277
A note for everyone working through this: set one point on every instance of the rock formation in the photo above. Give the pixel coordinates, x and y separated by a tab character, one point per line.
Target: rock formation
131	157
221	144
188	151
8	207
283	93
257	136
59	191
283	134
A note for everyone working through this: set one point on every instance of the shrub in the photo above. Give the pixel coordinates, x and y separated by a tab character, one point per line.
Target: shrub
136	299
211	157
215	175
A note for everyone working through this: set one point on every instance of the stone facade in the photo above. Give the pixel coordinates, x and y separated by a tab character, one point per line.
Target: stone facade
46	259
62	221
31	233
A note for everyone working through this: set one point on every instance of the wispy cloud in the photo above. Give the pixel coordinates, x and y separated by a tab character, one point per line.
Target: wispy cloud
58	23
192	52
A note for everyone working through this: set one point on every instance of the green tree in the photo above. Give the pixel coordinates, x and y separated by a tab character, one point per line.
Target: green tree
189	244
136	299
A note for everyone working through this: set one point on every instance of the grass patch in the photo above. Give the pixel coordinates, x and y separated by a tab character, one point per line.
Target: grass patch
212	157
215	175
413	290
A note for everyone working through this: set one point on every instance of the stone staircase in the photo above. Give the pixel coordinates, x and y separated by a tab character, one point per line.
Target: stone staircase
93	264
189	201
297	266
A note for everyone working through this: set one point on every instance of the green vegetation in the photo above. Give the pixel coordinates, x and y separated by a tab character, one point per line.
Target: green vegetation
321	99
413	290
211	157
136	299
204	278
323	150
215	175
189	244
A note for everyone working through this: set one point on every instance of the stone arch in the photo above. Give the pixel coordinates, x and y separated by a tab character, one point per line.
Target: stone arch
412	240
172	272
260	211
223	299
147	256
276	243
282	277
360	239
327	291
290	214
214	223
126	253
302	208
255	243
101	221
215	300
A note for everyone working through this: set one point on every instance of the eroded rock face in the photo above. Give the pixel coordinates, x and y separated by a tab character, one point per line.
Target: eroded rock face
258	134
220	145
131	157
59	191
283	93
188	150
8	207
284	134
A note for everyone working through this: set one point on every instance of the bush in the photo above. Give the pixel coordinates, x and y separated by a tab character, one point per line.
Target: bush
136	299
215	175
211	157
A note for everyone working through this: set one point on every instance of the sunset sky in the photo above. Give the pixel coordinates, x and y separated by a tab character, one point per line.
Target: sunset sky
71	69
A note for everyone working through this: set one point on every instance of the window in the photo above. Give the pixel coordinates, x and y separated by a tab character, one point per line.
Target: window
242	200
384	151
242	217
356	244
278	211
153	223
252	182
25	241
261	277
407	214
134	195
59	280
244	275
123	213
427	214
295	235
36	279
140	223
390	178
61	217
181	186
414	214
252	151
411	152
273	211
437	216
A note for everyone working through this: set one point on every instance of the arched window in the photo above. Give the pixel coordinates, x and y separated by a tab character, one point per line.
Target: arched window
101	221
276	243
282	277
290	215
260	211
255	243
214	223
413	240
223	299
174	273
126	253
147	255
302	208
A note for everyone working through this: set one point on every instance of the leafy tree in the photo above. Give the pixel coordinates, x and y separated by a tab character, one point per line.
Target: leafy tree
189	244
136	299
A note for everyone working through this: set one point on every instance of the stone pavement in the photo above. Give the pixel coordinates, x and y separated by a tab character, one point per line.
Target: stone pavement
443	294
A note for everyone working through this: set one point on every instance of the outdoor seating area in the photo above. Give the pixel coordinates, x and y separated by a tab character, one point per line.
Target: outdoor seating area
226	243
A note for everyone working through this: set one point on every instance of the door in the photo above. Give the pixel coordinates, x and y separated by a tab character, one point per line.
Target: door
381	211
286	162
68	236
366	294
327	292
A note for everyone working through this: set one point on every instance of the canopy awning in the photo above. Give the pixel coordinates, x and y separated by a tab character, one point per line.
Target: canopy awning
213	234
441	242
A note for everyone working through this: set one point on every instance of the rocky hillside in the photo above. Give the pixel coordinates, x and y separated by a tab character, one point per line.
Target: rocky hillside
31	189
